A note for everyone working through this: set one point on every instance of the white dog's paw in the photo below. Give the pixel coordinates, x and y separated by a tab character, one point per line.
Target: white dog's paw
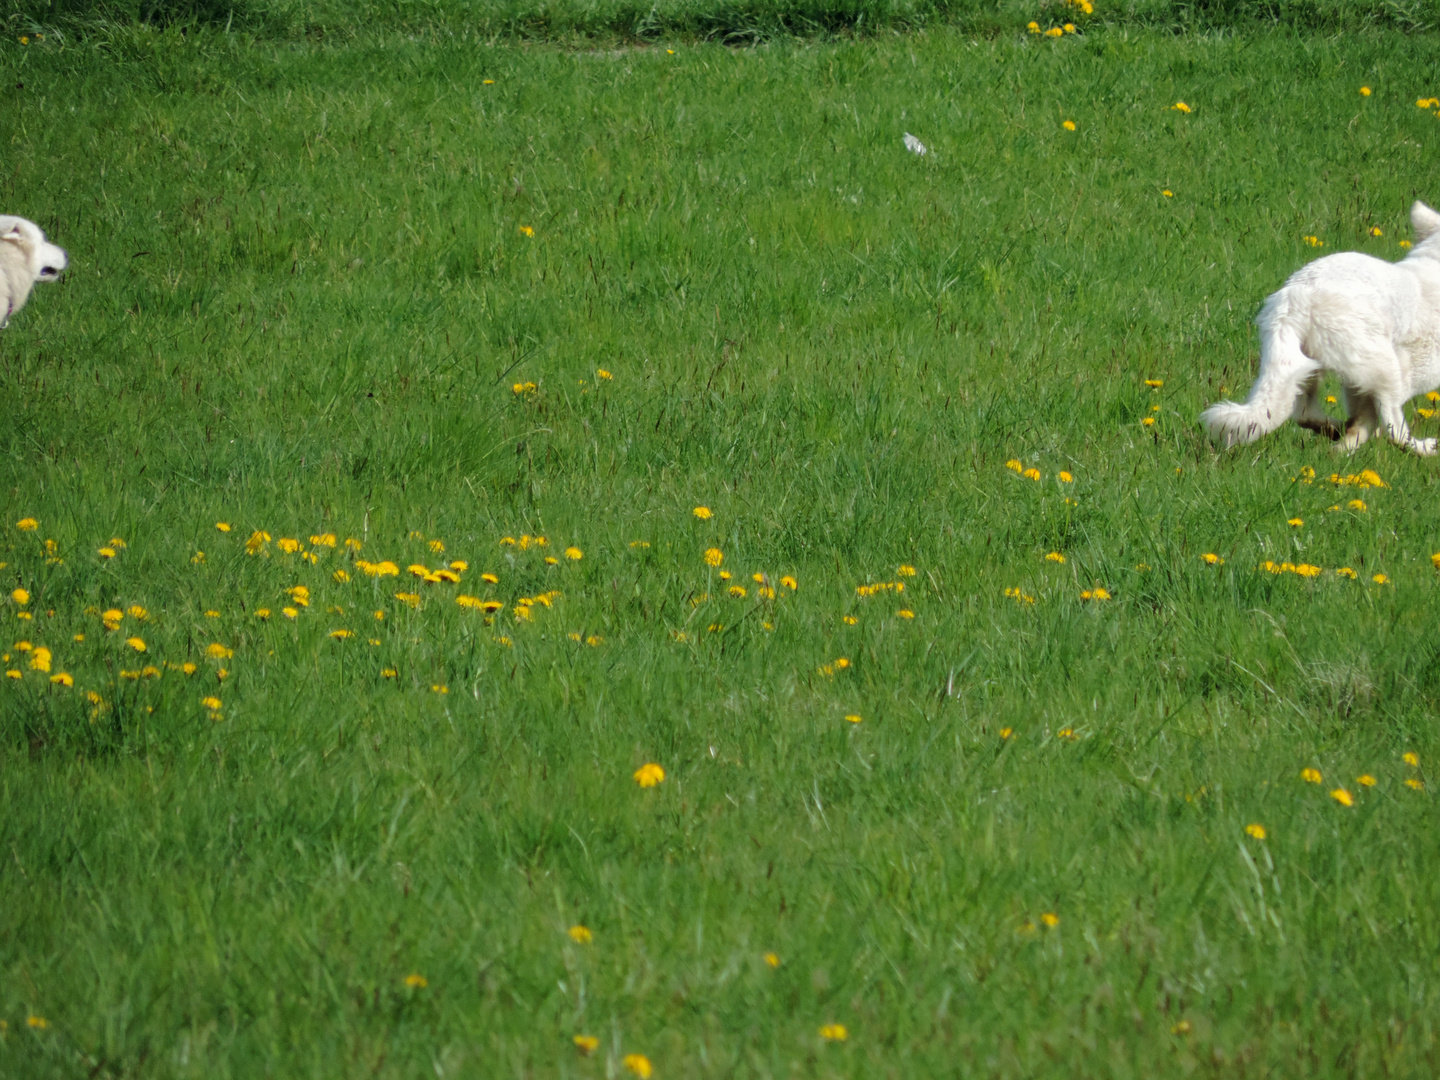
1423	447
1354	439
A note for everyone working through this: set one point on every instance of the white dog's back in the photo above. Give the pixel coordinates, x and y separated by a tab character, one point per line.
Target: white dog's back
1375	324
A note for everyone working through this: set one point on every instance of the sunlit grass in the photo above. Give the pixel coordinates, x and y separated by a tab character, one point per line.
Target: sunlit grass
985	719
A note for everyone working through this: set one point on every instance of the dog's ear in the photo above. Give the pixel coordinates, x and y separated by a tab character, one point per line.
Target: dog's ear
1425	221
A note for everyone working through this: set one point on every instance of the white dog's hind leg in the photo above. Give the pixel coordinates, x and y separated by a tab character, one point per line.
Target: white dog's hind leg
1364	418
1309	414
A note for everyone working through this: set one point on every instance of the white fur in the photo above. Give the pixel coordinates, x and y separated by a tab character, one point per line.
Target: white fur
1375	324
25	258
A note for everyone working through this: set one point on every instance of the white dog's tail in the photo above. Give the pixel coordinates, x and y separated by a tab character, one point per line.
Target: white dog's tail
1284	368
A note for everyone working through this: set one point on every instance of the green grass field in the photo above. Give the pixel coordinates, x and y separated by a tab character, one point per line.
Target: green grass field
346	288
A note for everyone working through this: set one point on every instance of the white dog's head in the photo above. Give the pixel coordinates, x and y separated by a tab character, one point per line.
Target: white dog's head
1426	222
25	258
46	261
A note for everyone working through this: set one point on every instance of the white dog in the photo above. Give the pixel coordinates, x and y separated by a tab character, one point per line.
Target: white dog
1375	324
25	258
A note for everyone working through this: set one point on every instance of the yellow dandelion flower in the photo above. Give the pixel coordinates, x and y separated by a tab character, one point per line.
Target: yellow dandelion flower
1295	522
13	674
650	774
772	960
1311	776
62	678
28	524
737	590
1069	28
586	1044
258	539
1168	193
849	620
853	718
211	703
1033	27
416	981
1256	831
37	1022
1050	919
1149	421
601	373
580	934
1064	477
1365	780
341	635
1313	241
523	388
1364	91
834	1033
1405	243
790	583
138	644
1380	579
40	659
1006	732
1054	32
1342	796
1068	125
1211	559
905	613
1180	106
1376	231
1411	758
439	688
1418	785
574	553
1055	556
107	552
189	668
702	512
639	1064
526	230
1031	474
1345	571
22	597
290	612
1357	504
1180	1027
1014	466
490	579
216	651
